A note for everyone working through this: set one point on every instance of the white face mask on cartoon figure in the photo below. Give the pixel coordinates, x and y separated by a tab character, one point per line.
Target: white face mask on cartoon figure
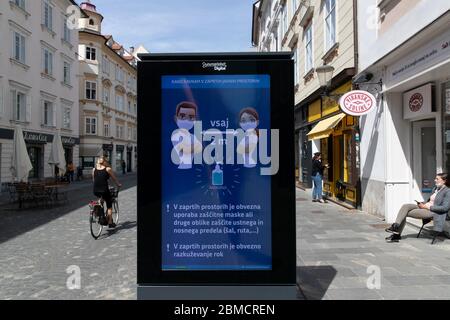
185	124
249	125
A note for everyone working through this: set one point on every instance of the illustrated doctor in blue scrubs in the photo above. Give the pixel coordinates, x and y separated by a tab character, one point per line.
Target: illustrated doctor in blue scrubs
249	121
185	143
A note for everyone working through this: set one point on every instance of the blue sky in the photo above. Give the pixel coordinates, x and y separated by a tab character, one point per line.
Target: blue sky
179	25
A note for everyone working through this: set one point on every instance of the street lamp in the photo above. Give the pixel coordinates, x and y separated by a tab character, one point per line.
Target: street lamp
325	75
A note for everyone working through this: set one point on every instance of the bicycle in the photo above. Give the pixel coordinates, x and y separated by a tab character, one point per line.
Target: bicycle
98	217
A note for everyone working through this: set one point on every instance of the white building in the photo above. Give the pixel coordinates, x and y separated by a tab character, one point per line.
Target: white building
38	81
108	96
407	140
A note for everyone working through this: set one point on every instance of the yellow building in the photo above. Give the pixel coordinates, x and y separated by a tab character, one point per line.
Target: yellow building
337	135
108	96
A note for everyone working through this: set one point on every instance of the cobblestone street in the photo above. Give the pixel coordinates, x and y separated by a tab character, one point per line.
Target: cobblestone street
37	247
335	248
339	250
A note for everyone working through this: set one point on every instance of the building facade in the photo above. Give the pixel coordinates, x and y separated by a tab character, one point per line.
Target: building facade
406	44
108	96
318	33
38	82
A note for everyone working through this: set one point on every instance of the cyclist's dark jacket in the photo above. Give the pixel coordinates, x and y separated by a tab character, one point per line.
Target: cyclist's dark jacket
101	187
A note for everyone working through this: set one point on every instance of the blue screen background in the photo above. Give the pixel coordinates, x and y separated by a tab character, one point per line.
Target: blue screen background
216	101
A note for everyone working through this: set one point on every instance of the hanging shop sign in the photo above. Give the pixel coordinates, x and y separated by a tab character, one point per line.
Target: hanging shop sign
36	137
70	141
357	103
417	103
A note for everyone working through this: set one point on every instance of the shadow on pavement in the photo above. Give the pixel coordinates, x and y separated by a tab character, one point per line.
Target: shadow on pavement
121	226
315	281
15	222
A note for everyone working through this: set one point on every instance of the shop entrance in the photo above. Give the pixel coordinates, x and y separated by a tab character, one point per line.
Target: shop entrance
424	156
35	154
129	161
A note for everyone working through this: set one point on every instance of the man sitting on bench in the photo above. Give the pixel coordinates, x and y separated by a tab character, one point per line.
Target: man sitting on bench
437	206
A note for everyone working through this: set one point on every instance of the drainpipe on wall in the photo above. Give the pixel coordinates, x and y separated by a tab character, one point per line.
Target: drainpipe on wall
357	143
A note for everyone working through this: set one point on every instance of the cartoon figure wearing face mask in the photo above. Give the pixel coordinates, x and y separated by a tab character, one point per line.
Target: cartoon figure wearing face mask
185	144
249	121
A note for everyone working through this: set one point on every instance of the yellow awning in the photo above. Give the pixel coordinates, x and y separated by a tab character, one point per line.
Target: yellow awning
325	127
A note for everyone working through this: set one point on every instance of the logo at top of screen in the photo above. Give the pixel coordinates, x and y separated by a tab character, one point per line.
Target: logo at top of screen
217	66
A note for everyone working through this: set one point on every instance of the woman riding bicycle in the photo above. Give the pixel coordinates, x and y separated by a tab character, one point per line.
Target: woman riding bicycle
100	175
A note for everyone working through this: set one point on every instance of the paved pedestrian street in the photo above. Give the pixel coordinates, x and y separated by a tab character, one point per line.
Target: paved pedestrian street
38	247
340	253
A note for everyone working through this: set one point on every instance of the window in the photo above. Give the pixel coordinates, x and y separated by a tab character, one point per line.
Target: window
66	73
308	48
129	107
105	65
66	30
19	102
48	113
91	53
119	102
135	108
91	22
19	47
47	15
134	134
106	96
47	61
284	20
20	3
106	129
119	74
91	90
120	132
296	65
330	23
91	125
130	133
66	115
295	4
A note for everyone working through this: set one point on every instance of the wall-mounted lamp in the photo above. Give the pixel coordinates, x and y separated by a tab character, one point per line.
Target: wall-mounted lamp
364	78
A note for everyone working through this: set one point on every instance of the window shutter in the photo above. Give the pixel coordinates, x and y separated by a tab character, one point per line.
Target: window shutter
50	17
28	99
43	112
50	63
22	49
53	115
14	104
2	108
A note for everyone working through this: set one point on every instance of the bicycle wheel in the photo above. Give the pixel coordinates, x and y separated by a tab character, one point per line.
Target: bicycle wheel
96	227
115	212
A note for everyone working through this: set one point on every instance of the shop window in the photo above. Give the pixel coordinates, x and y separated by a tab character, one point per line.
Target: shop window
87	162
348	159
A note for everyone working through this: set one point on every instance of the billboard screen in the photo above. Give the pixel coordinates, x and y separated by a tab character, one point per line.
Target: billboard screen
216	201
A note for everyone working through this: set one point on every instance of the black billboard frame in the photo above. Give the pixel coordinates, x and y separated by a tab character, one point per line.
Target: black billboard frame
153	282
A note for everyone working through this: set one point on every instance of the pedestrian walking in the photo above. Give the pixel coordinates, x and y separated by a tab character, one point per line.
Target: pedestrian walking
317	177
123	167
70	171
